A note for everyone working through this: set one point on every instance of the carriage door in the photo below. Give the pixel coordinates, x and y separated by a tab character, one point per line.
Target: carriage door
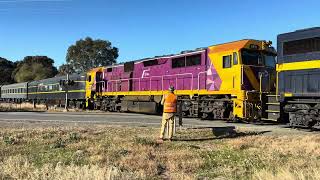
99	82
128	69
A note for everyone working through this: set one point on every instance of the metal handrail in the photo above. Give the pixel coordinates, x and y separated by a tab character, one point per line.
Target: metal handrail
150	81
181	75
203	72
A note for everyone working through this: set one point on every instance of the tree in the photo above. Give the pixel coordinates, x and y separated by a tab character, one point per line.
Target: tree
66	69
6	69
89	53
34	68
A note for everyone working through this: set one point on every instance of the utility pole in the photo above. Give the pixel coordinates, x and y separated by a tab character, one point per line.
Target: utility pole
0	90
66	89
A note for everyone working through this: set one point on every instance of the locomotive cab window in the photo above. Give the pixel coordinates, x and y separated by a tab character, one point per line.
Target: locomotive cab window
235	58
178	62
251	57
270	60
193	60
226	61
89	78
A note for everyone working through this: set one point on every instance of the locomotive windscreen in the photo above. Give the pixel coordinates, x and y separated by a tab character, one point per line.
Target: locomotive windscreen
301	46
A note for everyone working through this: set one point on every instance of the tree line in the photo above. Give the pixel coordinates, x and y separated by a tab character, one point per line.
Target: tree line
83	55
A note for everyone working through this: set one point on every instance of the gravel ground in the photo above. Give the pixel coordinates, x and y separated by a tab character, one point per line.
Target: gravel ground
62	119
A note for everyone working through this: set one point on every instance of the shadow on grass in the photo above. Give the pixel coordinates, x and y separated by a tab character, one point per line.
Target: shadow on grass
221	133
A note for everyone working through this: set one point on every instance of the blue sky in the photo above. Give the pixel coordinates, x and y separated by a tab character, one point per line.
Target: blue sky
144	28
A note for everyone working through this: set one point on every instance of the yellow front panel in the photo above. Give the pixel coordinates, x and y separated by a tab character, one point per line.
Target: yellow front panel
230	77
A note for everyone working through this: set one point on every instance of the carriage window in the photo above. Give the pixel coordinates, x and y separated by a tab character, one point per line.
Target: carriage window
128	67
226	61
150	63
109	69
235	58
193	60
179	62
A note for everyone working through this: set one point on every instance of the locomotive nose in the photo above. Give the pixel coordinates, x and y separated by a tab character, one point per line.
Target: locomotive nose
257	78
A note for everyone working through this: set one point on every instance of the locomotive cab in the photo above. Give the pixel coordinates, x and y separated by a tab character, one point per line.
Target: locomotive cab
247	71
258	64
258	68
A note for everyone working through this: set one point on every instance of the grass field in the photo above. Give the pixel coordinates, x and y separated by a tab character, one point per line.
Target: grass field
105	152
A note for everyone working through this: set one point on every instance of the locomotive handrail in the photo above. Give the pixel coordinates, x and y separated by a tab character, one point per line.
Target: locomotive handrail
177	78
150	81
203	72
241	76
103	84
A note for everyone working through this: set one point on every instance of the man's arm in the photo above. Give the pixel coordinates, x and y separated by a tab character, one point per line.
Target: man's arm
162	100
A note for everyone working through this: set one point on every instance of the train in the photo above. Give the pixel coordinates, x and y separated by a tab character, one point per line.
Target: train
241	80
298	79
49	91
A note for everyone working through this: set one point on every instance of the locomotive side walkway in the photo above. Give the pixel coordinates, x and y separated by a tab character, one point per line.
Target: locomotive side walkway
35	119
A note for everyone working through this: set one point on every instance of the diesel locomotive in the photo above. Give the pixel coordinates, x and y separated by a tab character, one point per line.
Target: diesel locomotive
297	97
222	81
235	80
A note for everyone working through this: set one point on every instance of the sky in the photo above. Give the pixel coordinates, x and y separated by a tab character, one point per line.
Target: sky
144	28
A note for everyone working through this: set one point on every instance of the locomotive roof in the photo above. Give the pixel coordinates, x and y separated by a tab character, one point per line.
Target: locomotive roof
300	34
15	85
231	42
186	52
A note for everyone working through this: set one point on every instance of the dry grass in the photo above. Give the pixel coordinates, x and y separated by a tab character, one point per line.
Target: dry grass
104	152
8	107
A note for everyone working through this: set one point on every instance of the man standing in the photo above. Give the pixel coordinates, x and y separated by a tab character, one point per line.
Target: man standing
169	102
